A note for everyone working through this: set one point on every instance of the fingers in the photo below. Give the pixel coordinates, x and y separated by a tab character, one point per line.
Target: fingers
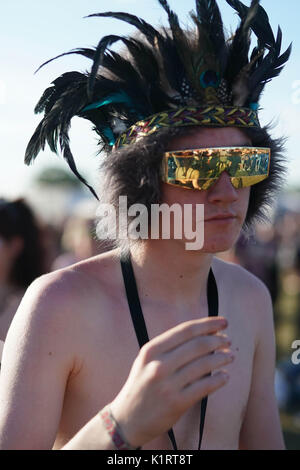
170	374
182	333
197	369
193	349
203	387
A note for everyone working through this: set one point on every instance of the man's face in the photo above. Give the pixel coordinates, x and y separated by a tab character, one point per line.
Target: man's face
222	198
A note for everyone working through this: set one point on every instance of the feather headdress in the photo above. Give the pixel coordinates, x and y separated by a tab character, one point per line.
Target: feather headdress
169	77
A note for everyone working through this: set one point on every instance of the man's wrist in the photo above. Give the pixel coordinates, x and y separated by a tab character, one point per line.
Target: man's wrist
115	431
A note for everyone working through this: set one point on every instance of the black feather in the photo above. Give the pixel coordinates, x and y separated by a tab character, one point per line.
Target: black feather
86	52
148	70
34	145
172	66
145	28
260	25
238	54
142	77
180	39
44	100
268	68
120	68
165	45
209	15
144	60
173	18
98	58
67	154
59	85
59	107
239	7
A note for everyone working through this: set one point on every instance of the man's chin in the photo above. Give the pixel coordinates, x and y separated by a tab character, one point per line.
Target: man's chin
217	246
209	247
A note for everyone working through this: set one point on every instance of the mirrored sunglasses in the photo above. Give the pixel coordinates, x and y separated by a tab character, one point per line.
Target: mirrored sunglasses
201	168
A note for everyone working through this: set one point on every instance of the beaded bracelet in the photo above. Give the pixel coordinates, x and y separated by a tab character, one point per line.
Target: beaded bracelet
114	430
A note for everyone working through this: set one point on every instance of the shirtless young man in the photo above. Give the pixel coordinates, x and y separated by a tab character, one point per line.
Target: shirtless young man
72	348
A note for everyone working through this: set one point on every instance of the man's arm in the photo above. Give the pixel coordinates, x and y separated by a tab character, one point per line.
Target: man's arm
35	368
261	428
38	361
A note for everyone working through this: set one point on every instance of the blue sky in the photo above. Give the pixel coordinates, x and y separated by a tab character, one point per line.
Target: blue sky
33	31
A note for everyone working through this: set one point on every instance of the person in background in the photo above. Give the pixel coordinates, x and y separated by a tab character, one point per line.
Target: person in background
21	258
78	240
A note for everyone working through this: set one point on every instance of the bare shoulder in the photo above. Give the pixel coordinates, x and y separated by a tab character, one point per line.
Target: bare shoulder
248	293
237	276
56	305
73	284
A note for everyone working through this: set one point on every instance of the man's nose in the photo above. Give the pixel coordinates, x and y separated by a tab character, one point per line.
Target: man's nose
222	190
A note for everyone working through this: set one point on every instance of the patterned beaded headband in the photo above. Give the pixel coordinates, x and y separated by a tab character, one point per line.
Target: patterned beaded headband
176	76
201	116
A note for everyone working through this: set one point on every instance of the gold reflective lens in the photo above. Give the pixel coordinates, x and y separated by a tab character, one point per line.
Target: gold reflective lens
201	168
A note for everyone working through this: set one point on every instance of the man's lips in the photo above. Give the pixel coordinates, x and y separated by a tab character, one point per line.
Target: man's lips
221	217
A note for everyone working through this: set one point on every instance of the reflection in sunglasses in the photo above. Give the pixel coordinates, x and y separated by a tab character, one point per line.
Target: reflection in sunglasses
200	168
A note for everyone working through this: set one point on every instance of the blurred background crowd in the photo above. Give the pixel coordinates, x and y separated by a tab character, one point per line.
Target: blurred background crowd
53	226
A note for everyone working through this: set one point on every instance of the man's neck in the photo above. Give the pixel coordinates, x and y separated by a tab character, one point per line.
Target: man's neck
170	274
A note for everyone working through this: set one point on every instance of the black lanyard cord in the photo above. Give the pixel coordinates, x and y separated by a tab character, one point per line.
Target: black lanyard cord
140	326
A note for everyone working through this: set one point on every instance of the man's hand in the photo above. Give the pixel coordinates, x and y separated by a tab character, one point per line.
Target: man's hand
169	376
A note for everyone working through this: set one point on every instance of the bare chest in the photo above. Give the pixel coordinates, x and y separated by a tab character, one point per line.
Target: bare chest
107	357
